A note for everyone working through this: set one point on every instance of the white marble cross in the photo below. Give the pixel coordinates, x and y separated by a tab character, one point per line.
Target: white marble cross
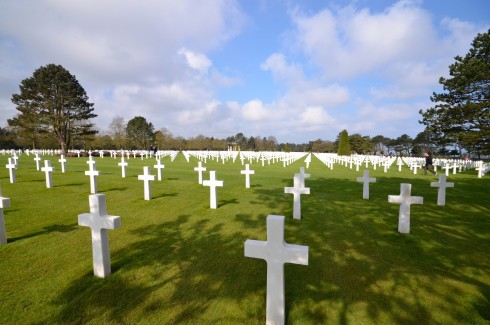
308	161
62	161
247	172
123	165
441	192
92	173
405	199
48	170
4	203
297	190
366	180
199	169
447	168
302	176
159	167
11	168
146	178
38	161
415	167
99	222
276	252
212	183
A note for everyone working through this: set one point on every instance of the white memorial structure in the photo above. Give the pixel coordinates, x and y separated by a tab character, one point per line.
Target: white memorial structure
276	252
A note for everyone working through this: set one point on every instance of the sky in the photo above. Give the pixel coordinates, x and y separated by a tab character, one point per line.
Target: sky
298	70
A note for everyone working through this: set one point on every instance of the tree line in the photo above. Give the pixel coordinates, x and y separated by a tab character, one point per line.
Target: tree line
54	111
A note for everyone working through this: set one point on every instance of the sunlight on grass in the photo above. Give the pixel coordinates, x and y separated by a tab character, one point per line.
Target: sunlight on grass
175	261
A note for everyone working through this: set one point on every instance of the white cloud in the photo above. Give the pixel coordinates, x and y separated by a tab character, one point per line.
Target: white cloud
255	111
314	119
350	42
197	61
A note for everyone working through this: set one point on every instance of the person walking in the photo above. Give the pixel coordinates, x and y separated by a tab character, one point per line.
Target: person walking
428	164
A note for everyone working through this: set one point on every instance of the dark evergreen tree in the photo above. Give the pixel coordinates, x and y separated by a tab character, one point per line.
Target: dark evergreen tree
344	145
52	101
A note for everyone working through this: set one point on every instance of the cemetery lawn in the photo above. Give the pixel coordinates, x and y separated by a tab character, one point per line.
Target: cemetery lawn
176	261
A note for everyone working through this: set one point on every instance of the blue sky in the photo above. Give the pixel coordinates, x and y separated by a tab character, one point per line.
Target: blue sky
296	70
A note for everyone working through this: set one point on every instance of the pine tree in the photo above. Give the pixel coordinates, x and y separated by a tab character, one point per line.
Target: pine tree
344	145
52	101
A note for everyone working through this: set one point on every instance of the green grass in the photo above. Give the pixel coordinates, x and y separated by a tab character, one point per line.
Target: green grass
175	261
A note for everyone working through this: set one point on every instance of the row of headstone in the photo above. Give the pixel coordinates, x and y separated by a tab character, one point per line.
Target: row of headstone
414	163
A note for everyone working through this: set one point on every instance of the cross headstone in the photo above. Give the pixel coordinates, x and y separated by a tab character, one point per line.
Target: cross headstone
212	183
302	176
441	192
4	203
62	161
38	161
297	190
11	168
308	161
247	172
415	167
276	252
199	169
92	173
159	167
99	222
447	168
123	165
405	199
146	178
48	170
366	180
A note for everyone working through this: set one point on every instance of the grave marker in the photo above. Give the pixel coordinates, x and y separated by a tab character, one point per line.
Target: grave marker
276	252
47	169
146	178
99	222
212	183
4	203
38	161
199	169
247	172
11	168
123	165
159	167
62	161
366	180
405	199
441	192
92	173
297	190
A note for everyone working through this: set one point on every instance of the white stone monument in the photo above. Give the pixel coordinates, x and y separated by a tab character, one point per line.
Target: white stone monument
38	161
247	172
92	173
213	183
297	190
48	170
159	167
123	165
62	161
4	203
199	169
276	252
405	199
146	178
11	168
302	176
441	192
366	180
99	222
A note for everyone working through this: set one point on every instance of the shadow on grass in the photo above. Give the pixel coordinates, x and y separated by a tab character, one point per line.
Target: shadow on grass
176	270
360	268
46	230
